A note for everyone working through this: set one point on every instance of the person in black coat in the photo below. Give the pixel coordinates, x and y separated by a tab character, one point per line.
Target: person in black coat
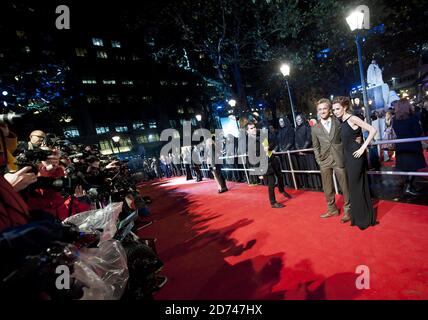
305	161
273	172
409	155
285	139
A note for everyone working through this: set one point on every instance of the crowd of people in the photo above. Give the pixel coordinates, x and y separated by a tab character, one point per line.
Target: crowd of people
45	182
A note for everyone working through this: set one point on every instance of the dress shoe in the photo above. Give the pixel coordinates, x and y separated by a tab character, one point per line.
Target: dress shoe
346	218
223	190
411	192
277	205
329	214
285	194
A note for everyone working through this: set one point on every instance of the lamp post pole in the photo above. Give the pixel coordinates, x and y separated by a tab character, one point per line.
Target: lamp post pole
363	82
291	103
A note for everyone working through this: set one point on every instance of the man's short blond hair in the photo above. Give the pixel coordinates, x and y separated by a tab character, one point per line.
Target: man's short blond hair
324	100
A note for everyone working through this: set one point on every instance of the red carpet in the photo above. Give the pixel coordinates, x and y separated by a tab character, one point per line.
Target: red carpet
234	246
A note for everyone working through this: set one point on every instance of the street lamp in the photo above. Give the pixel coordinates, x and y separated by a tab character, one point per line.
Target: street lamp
285	70
232	102
358	20
116	140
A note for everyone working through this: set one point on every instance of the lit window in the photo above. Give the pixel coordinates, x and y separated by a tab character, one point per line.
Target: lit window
105	147
152	125
163	83
153	137
180	110
101	130
93	99
128	82
135	57
146	98
120	57
142	139
81	52
27	49
184	83
20	34
113	98
115	44
109	81
190	110
97	42
71	132
138	126
102	54
121	129
89	81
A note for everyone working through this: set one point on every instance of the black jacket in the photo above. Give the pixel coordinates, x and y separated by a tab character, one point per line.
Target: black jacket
285	138
303	138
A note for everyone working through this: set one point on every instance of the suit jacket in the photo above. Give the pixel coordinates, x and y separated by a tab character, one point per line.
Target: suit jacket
328	147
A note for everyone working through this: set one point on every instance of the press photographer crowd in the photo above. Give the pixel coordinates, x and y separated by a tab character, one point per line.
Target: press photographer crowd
68	223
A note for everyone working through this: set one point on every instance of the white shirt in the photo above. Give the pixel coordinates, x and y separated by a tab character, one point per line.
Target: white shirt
326	124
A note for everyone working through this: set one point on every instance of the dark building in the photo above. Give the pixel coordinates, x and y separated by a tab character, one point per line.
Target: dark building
114	86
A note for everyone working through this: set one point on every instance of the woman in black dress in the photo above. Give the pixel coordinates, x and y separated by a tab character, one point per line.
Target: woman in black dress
362	213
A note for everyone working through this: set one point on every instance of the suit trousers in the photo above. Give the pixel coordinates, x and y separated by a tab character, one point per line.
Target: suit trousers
272	179
328	187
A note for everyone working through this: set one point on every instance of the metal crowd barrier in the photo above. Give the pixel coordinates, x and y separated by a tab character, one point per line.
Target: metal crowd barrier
294	172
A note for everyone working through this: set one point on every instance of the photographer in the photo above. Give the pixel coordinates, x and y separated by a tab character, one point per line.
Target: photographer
44	196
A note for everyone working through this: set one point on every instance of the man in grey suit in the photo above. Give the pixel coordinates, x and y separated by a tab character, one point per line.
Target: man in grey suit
329	155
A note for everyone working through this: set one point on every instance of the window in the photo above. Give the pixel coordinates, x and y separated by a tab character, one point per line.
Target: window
93	99
125	142
120	57
142	139
27	49
133	99
101	130
135	57
152	125
190	110
89	81
81	52
115	44
180	110
105	147
128	82
121	129
163	83
21	34
109	81
153	137
146	98
97	42
102	54
148	138
113	98
71	132
138	126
